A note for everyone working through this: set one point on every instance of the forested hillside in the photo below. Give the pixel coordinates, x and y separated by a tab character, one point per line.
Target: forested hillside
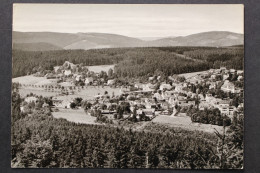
48	59
232	57
145	62
133	62
66	144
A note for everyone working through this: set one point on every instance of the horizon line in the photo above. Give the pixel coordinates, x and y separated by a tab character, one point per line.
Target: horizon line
127	35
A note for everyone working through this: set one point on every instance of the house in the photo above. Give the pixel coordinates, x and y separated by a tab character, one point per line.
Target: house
225	76
178	88
240	72
227	110
165	105
165	112
151	78
150	104
22	108
111	82
241	105
89	80
78	77
218	71
213	76
224	103
181	100
45	105
149	112
165	86
56	102
148	87
56	68
139	111
212	85
229	87
61	103
240	78
158	96
30	99
67	72
223	68
232	70
183	103
211	70
213	101
138	85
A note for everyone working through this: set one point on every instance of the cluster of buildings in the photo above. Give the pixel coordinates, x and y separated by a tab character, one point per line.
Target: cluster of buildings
168	99
78	75
164	97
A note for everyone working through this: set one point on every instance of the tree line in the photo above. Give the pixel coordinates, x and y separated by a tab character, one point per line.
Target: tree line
229	57
132	62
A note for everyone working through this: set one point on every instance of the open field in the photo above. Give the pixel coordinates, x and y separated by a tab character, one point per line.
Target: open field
190	75
99	68
28	80
88	92
77	116
186	123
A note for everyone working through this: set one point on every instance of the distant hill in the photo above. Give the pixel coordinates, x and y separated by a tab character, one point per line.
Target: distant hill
211	39
76	41
34	40
35	46
102	40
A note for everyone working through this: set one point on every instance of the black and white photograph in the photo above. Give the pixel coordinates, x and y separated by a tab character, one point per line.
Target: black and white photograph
155	86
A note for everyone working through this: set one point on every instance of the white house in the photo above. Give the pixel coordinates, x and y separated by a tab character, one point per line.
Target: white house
151	78
239	78
227	110
111	82
30	99
165	86
148	87
138	85
78	77
178	88
228	87
56	68
225	76
89	80
67	72
213	76
232	70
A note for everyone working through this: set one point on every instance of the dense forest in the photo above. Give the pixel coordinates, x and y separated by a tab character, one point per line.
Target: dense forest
231	57
39	140
133	62
25	61
146	62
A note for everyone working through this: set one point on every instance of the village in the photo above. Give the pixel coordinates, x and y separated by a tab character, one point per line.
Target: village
183	95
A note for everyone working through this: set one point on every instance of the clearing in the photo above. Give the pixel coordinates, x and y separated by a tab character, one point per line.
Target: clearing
190	75
75	115
186	123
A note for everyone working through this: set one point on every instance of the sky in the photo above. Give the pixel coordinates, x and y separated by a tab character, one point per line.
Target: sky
134	20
